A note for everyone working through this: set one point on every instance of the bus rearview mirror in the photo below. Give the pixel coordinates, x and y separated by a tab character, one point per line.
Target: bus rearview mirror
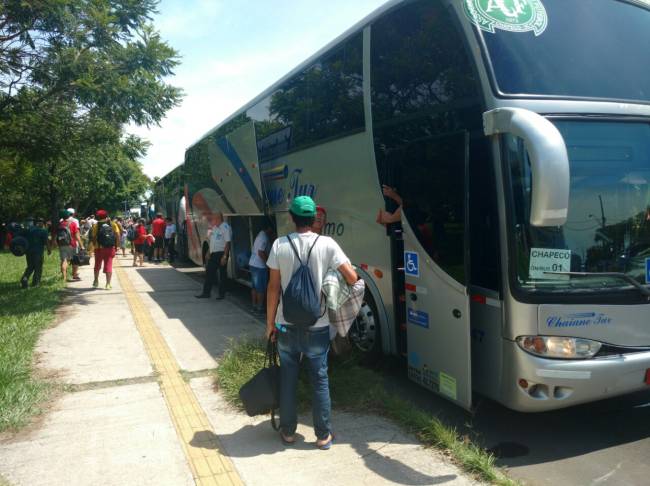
548	159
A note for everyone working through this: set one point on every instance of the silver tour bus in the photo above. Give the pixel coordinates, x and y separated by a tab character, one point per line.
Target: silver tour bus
517	135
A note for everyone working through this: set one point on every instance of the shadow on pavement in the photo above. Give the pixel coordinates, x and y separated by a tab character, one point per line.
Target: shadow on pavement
260	439
214	324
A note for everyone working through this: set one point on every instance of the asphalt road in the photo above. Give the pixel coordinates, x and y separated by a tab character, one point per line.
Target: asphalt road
606	442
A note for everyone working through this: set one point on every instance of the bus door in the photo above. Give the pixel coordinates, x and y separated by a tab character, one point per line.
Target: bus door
236	171
434	215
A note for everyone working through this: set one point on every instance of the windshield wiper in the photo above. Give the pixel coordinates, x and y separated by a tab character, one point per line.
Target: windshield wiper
641	288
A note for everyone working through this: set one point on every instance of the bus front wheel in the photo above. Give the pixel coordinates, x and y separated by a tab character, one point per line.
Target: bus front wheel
365	331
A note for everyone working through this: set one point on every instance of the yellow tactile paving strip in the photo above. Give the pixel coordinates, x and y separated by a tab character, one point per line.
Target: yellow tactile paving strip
201	446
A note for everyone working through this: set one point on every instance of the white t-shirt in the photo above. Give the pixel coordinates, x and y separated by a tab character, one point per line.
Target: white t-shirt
170	229
261	244
327	254
219	236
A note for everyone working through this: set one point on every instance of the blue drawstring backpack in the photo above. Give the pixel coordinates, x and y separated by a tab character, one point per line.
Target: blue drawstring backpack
301	304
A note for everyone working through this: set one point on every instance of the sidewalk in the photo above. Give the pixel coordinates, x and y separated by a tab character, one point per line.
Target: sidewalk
132	418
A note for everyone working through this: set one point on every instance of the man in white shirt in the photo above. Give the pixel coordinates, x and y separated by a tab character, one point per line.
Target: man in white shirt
73	213
257	265
170	239
320	253
219	236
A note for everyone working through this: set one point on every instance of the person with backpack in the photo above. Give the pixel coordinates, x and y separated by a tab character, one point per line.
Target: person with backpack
296	316
131	234
139	235
105	236
68	239
37	240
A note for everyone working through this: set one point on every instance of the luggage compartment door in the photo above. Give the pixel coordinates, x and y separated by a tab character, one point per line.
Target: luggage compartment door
236	172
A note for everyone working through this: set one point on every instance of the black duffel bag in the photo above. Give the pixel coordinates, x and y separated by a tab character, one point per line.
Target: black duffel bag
261	394
81	258
19	245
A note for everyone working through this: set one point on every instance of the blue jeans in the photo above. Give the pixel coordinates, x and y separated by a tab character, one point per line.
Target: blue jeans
259	279
314	345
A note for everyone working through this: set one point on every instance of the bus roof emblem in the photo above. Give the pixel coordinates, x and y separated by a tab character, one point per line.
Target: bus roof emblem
509	15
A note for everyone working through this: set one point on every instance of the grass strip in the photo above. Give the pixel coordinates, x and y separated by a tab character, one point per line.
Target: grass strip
359	389
23	315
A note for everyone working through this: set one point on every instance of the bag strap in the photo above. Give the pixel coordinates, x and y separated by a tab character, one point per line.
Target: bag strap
293	247
272	355
274	423
312	247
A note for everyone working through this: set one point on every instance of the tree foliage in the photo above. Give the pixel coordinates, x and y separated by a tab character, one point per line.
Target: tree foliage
72	73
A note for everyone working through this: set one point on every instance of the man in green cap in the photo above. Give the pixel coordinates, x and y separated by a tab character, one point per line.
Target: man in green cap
320	254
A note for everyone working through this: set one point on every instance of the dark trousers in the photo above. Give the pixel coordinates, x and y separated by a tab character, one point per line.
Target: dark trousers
215	273
171	250
35	266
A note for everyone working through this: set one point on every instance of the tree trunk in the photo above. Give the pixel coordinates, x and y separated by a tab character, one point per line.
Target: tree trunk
53	195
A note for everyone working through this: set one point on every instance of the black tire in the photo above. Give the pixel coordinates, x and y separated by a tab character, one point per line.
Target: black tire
365	332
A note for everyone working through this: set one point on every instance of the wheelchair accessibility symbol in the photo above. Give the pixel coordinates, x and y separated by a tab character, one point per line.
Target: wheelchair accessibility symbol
411	264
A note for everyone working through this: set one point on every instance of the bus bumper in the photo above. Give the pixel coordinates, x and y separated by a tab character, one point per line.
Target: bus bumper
533	384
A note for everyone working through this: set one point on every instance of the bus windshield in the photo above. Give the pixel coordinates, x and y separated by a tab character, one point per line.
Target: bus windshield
589	49
608	224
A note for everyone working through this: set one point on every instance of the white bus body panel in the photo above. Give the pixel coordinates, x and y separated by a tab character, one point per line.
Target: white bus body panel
621	325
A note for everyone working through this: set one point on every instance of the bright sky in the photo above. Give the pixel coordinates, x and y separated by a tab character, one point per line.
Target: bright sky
231	51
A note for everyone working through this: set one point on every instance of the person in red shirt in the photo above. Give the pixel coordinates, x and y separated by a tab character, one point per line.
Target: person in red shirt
138	243
105	235
158	232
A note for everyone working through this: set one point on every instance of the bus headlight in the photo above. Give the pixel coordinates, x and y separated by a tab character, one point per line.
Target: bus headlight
559	347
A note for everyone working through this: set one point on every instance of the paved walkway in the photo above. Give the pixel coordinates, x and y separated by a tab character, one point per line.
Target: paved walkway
132	418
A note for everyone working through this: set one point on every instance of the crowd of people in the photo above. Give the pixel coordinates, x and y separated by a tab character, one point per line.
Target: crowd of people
96	235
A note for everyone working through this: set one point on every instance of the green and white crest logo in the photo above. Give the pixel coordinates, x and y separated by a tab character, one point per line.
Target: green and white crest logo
510	15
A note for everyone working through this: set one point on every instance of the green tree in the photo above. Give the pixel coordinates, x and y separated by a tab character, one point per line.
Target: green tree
102	54
72	73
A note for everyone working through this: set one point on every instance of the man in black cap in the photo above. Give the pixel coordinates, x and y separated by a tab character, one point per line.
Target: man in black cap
37	240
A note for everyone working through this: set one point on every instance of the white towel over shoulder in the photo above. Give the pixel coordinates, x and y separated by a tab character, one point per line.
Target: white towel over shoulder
343	301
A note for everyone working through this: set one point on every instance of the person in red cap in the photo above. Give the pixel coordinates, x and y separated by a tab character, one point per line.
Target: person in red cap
105	236
320	220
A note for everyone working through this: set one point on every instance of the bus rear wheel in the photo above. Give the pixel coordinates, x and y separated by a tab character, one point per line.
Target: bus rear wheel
365	333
